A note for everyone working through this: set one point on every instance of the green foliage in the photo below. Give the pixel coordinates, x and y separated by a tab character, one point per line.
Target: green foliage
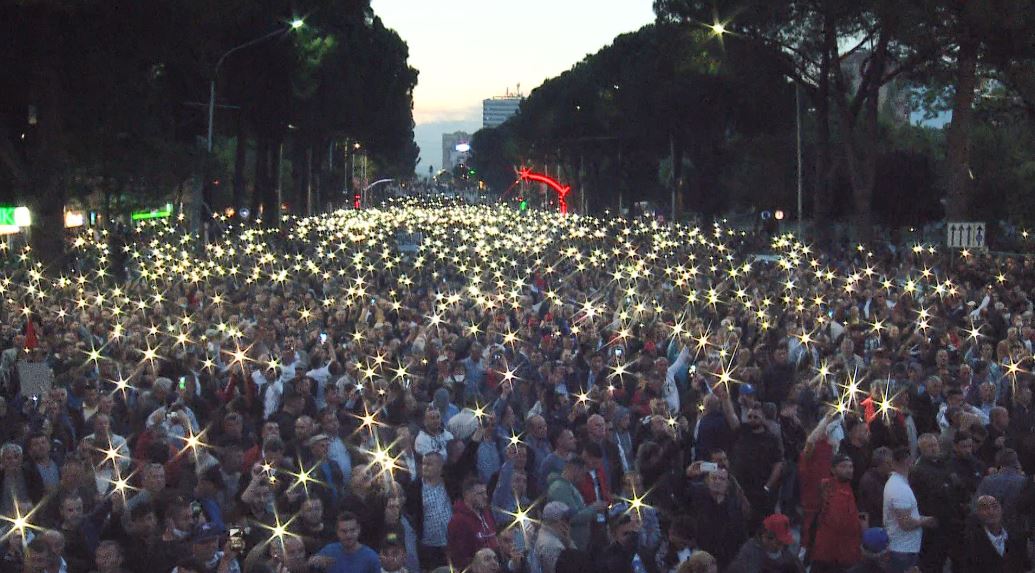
124	88
614	117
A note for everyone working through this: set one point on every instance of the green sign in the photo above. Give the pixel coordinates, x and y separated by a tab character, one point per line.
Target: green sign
152	214
7	216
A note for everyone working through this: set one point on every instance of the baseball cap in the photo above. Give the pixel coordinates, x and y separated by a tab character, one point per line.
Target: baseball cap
875	540
780	527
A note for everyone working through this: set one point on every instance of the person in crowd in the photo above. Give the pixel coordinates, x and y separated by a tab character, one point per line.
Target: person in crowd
874	551
256	387
347	554
472	527
554	536
714	501
770	550
989	545
563	489
838	527
903	522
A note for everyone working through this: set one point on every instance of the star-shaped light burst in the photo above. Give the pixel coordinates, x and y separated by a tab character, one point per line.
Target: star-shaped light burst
238	356
974	333
94	355
368	420
1013	368
303	478
280	529
382	458
20	524
636	503
194	442
150	355
514	440
521	516
886	405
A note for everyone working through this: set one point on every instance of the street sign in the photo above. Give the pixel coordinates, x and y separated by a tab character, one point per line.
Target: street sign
965	235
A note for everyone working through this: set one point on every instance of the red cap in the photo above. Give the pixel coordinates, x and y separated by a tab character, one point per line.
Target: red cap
780	527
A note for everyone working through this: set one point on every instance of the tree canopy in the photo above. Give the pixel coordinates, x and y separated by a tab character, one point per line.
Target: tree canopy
111	98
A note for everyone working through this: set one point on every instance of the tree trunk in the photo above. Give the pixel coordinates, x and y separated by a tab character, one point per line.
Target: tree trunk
46	174
957	139
676	157
319	177
822	201
860	147
297	198
268	199
240	159
262	170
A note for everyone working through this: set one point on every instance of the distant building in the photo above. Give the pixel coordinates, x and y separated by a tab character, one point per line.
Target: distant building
498	109
455	149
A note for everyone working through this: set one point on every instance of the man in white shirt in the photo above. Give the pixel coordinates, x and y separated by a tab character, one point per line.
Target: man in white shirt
902	519
114	445
268	376
433	438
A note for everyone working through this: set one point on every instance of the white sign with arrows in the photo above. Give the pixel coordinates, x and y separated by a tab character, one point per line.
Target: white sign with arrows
965	235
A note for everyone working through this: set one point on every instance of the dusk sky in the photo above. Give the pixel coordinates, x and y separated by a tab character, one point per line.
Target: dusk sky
469	50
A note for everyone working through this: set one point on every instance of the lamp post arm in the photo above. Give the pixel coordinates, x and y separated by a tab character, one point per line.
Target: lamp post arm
247	44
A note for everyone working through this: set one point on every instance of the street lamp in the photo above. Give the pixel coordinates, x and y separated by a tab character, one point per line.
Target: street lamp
295	24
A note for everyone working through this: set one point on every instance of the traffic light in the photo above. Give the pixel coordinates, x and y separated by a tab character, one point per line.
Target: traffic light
356	200
522	204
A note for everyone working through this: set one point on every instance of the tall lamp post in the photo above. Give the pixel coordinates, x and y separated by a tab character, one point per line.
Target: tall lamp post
293	25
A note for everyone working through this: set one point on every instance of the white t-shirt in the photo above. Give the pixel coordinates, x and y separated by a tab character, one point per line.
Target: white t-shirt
899	496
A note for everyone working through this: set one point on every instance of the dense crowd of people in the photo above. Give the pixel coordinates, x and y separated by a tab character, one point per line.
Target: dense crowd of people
431	386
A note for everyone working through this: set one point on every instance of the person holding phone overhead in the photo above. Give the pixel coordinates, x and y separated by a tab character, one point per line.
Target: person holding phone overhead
838	526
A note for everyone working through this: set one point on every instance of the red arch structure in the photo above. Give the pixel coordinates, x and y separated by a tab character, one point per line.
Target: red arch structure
526	174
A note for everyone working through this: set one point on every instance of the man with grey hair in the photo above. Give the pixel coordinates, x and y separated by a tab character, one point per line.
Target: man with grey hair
554	536
12	480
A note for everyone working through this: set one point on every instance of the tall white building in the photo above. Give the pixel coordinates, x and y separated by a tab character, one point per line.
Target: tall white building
498	109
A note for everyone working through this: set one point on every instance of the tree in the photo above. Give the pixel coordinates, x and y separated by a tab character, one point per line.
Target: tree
82	103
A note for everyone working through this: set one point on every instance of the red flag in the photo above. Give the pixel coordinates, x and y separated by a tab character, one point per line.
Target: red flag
30	335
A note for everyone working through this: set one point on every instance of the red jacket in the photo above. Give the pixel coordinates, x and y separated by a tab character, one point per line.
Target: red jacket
838	530
811	471
589	493
467	533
